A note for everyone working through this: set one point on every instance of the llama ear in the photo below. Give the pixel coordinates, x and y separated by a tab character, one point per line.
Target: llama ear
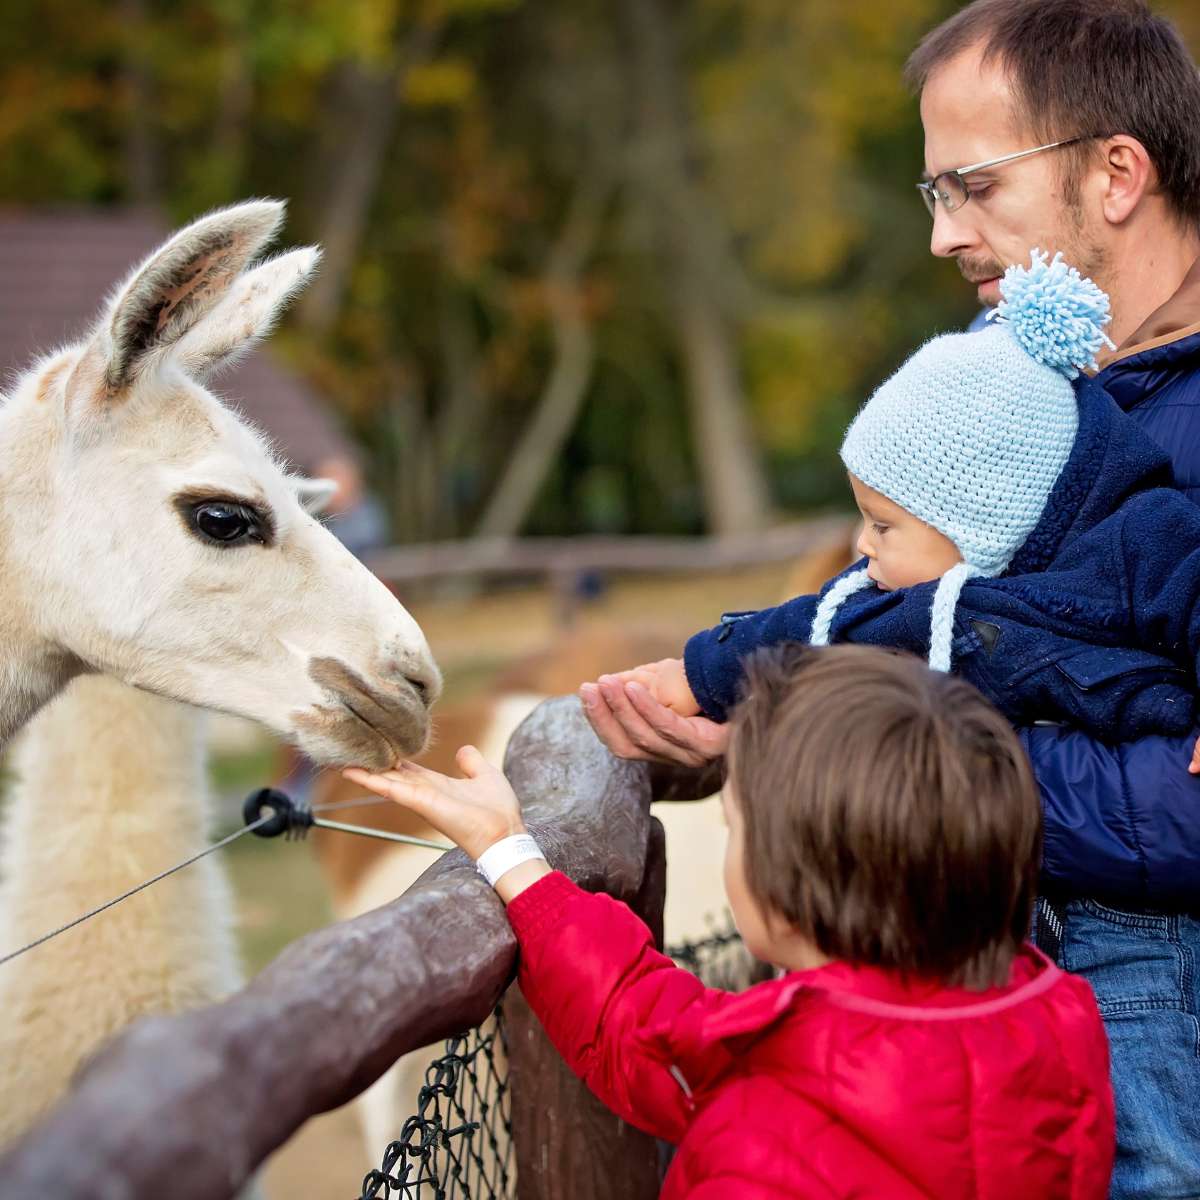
245	313
179	284
314	494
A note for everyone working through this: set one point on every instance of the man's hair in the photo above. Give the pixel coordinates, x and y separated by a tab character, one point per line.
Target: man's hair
1082	67
890	812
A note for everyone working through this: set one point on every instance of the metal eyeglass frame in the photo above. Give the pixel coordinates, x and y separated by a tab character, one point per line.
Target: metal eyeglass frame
931	193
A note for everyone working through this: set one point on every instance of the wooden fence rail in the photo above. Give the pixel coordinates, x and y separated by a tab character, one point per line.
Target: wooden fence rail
187	1107
570	556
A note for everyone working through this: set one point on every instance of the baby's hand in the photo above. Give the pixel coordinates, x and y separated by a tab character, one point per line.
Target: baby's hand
666	681
474	812
1194	765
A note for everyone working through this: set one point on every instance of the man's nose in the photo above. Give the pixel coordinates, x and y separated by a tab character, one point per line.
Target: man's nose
951	235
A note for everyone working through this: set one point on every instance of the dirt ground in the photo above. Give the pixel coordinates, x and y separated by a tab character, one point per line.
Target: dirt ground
280	891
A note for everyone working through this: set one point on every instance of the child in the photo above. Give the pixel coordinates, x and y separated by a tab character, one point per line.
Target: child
914	1047
1016	529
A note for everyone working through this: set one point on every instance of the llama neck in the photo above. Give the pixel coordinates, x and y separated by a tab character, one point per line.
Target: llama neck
104	774
109	790
32	669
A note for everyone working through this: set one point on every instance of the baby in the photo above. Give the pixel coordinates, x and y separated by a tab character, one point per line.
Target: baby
913	1046
1016	528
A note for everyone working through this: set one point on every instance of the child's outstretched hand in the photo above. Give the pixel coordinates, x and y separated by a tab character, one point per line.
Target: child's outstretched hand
666	681
1194	765
474	812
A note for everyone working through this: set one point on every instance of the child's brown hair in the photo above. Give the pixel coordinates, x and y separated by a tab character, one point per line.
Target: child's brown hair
890	812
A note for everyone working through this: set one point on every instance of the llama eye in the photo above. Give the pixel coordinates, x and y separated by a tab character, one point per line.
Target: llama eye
229	524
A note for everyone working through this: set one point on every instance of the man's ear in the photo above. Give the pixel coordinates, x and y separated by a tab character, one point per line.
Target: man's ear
1131	176
177	285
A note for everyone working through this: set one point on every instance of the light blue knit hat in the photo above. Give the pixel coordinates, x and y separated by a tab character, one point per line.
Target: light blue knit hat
971	433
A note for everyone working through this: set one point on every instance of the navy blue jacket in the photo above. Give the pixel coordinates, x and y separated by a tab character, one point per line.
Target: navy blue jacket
1122	820
1095	624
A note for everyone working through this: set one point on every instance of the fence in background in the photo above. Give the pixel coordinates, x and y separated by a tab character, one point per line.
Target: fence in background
565	564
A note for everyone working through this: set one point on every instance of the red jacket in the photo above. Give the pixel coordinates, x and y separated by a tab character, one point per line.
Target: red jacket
834	1082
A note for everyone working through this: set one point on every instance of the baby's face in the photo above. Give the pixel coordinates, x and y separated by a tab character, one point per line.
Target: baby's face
902	550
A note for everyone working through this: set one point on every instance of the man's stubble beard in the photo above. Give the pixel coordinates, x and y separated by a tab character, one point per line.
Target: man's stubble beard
977	270
1079	248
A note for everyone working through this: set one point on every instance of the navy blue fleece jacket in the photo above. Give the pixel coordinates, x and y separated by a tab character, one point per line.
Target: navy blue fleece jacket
1122	819
1095	624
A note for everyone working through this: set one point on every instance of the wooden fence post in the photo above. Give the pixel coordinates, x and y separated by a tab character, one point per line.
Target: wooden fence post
188	1106
567	1144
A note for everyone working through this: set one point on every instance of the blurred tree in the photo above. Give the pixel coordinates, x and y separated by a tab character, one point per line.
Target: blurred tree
599	265
691	242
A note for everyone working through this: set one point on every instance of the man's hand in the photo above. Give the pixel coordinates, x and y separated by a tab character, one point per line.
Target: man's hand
1194	765
474	812
632	724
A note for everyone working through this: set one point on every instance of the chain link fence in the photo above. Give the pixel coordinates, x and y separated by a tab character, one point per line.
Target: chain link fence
720	958
458	1144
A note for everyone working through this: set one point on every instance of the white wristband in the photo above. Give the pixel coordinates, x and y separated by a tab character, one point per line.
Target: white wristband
500	857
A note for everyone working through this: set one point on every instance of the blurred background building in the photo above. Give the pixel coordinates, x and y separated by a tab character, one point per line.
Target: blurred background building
57	263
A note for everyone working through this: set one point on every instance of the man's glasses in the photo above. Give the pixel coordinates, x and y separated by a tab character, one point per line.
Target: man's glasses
949	190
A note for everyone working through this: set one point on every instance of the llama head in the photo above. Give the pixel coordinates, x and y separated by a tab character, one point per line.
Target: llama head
164	544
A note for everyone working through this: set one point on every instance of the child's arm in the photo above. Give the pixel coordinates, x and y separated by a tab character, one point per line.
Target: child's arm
588	966
714	657
666	681
589	970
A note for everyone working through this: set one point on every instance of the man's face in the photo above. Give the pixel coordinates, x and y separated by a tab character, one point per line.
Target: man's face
967	111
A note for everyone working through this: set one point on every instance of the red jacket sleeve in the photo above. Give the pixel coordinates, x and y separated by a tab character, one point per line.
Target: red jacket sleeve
590	972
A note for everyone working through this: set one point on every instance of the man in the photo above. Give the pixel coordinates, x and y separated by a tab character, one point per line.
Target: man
1074	125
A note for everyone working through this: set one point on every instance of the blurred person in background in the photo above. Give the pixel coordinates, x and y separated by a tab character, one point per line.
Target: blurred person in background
1074	126
353	514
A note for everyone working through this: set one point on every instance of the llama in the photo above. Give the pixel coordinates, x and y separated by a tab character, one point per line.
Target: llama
146	532
133	768
149	535
110	787
363	874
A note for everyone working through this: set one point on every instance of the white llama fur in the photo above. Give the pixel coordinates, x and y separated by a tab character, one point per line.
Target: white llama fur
107	449
110	789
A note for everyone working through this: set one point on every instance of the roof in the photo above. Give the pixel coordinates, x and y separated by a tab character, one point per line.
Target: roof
58	264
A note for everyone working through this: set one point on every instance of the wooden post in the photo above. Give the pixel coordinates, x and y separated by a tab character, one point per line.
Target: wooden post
188	1106
567	1144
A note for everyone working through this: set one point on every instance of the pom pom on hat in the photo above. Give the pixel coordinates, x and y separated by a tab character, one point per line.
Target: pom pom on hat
1056	315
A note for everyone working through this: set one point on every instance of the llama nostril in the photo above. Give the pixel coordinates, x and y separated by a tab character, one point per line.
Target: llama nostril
422	676
426	687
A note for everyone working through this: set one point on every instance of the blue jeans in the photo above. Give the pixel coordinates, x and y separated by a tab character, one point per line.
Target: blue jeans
1143	969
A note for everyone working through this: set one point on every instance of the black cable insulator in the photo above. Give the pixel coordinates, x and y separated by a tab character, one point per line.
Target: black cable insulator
286	818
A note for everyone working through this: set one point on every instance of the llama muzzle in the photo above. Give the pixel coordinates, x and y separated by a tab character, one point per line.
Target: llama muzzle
370	722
